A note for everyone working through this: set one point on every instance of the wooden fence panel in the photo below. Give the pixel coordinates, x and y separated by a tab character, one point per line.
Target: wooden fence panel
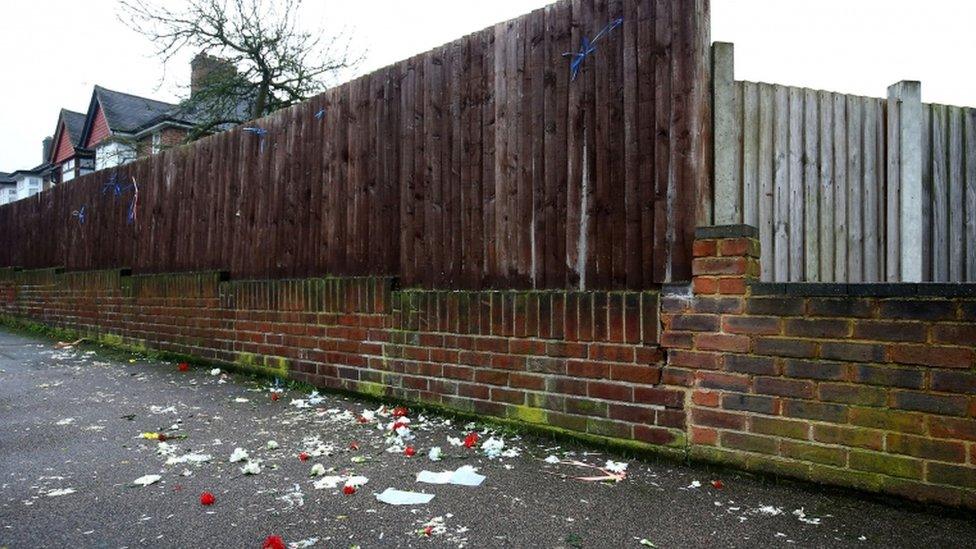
482	163
949	193
810	171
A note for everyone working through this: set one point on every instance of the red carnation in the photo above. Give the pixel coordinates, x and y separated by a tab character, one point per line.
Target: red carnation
348	490
717	484
398	424
273	542
207	498
471	440
303	456
429	531
274	396
183	367
409	451
400	411
354	445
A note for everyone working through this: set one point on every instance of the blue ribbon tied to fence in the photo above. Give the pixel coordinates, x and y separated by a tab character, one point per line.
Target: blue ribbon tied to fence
80	214
588	46
118	188
259	132
320	114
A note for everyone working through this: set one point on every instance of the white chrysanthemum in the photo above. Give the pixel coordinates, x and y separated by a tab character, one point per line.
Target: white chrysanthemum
615	466
239	454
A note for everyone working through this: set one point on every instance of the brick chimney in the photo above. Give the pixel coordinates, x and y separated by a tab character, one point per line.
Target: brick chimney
204	67
46	146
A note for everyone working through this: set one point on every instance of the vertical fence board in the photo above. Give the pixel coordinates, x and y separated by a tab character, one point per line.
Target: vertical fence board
969	153
766	186
811	186
956	204
826	175
781	175
940	195
870	195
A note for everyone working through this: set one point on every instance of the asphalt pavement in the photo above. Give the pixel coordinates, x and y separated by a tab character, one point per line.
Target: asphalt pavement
72	446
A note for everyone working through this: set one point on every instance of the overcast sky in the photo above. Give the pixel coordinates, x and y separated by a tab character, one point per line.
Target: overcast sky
54	51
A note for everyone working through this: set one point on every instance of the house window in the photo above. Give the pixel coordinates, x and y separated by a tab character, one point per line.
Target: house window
68	170
157	142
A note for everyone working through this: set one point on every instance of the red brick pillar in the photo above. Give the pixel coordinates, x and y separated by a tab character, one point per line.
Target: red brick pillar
726	261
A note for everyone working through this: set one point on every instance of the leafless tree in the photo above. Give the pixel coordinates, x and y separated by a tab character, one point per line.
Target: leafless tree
272	62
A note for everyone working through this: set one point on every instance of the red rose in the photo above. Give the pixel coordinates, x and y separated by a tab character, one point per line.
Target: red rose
471	440
409	451
429	531
354	445
348	490
303	456
273	542
398	424
400	411
717	484
183	367
207	498
274	397
162	437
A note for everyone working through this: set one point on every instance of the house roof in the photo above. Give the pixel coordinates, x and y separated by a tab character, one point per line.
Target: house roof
40	169
6	179
126	112
74	122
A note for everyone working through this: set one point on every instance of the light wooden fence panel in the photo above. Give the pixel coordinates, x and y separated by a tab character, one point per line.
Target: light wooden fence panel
846	188
810	172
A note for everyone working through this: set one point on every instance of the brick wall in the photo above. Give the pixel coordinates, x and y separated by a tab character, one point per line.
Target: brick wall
861	385
869	386
586	362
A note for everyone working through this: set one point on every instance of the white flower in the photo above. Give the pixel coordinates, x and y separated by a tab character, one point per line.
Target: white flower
454	441
239	454
615	466
272	445
552	459
493	447
435	453
252	467
215	372
318	470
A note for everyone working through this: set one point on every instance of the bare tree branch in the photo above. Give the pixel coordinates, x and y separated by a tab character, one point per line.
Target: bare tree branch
277	63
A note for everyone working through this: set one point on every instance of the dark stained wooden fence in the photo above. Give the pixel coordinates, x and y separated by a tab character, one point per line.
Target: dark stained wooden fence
478	164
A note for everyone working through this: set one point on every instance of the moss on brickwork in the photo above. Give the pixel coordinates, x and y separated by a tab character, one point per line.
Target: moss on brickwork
375	390
270	366
529	414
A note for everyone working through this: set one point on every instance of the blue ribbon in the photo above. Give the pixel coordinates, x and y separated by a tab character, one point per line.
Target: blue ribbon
587	47
321	114
260	132
113	184
80	214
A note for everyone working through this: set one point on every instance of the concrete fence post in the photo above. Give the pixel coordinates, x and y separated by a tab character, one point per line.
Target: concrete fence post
727	198
904	200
